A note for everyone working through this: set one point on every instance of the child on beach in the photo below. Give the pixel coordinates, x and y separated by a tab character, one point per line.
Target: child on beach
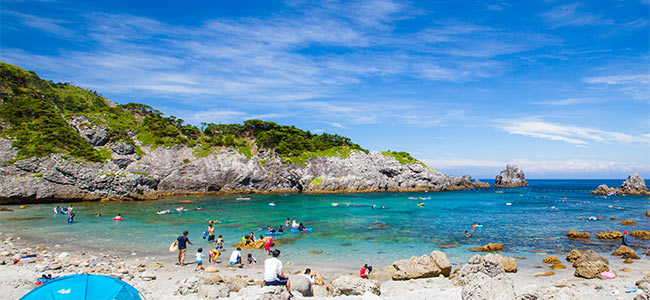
213	255
219	244
267	247
365	271
251	259
199	259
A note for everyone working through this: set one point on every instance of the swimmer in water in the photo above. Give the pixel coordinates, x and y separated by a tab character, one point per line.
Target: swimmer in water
467	234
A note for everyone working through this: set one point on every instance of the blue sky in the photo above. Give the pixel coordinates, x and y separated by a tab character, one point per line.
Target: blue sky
560	88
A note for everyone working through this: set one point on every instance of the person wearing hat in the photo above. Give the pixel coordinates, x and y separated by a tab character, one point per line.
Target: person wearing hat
625	238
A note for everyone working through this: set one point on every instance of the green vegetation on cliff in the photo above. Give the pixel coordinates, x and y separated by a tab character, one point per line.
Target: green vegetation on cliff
403	157
37	114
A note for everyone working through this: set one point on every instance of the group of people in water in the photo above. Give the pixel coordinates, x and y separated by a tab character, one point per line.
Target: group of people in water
474	226
66	210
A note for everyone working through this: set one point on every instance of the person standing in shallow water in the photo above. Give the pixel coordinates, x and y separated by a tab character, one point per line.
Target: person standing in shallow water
182	247
210	233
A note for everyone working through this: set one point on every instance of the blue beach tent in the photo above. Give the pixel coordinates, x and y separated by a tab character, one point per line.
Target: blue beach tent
84	287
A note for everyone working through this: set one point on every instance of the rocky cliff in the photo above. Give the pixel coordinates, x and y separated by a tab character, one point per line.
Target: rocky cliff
61	142
176	170
511	177
634	185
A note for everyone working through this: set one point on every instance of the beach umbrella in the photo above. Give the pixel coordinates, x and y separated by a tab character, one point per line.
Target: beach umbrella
84	287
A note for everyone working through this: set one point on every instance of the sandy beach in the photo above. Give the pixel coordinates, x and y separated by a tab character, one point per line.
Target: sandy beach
175	282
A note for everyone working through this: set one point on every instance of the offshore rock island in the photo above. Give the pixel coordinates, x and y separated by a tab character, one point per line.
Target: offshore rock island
61	143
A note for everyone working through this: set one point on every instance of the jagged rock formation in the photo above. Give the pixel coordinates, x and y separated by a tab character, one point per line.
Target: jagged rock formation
177	170
511	177
633	185
61	142
480	184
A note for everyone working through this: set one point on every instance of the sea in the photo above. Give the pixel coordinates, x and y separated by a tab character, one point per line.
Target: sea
352	229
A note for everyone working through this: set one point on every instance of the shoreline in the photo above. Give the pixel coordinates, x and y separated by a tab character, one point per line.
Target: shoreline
165	194
170	277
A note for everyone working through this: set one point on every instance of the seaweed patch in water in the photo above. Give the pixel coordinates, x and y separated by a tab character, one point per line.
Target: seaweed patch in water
26	219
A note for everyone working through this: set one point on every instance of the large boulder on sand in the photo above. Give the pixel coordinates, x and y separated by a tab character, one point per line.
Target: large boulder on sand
572	234
625	252
512	176
422	267
440	259
491	247
590	265
301	284
551	260
416	267
548	293
352	285
510	264
573	255
272	293
385	274
485	278
610	235
213	291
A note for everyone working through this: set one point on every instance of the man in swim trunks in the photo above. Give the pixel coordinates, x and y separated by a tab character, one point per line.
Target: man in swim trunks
182	247
210	233
273	274
235	258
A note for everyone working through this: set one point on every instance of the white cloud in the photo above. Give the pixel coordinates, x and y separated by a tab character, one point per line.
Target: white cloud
566	101
335	124
571	15
52	26
263	59
533	167
619	79
636	86
535	127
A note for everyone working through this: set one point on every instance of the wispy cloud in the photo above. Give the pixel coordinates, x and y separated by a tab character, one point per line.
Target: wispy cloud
535	167
52	26
334	124
537	128
572	15
265	59
566	101
635	85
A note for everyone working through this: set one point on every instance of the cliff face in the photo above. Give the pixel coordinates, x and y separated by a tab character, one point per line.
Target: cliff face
176	170
61	142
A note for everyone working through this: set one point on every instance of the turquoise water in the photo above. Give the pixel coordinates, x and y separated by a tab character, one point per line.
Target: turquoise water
534	222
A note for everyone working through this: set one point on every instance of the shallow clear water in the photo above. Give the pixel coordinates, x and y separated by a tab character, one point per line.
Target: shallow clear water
535	222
